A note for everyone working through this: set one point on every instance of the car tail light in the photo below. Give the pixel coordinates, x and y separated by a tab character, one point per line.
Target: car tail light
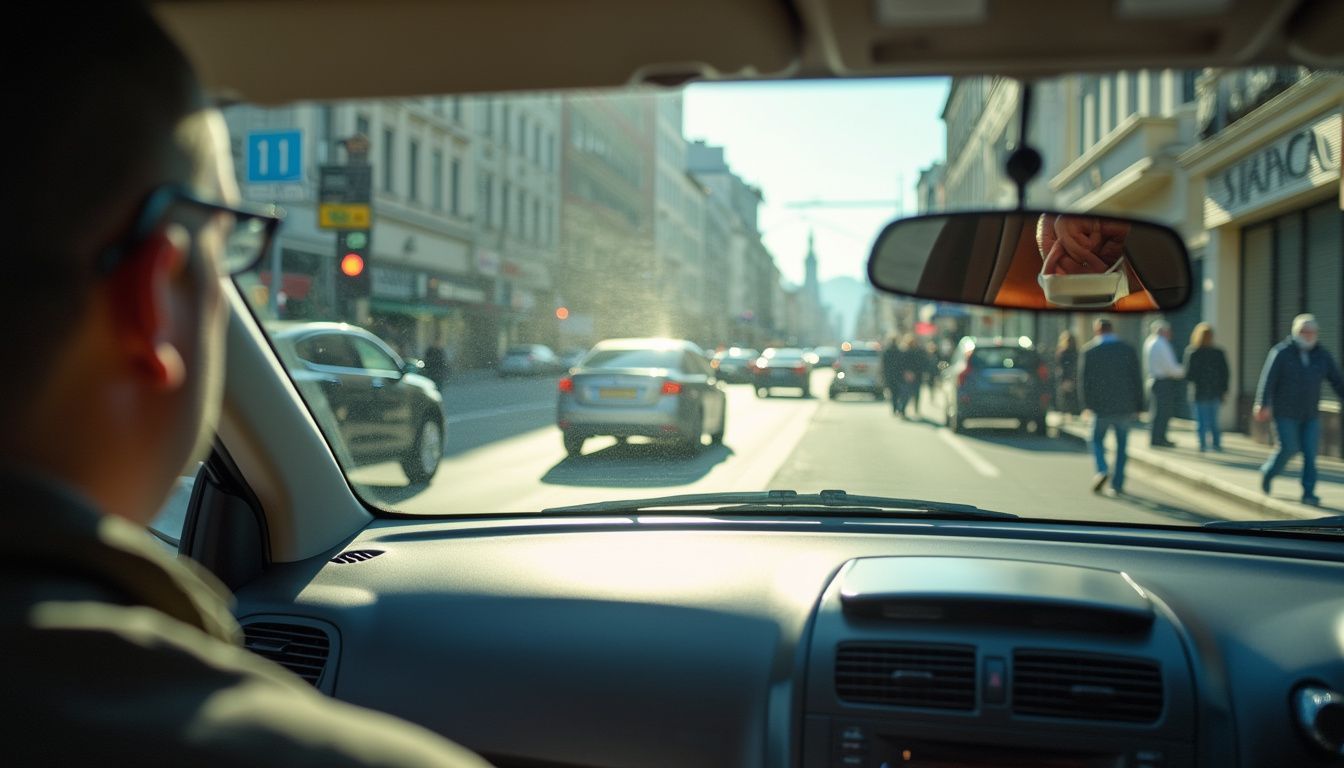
835	365
961	377
800	369
671	388
1043	373
567	384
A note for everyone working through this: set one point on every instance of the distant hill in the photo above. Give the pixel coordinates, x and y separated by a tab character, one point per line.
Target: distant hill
844	295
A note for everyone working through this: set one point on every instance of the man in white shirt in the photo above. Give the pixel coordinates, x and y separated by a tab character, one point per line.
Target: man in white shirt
1165	379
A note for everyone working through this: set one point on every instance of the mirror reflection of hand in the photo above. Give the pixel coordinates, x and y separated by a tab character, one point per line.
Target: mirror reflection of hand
1079	245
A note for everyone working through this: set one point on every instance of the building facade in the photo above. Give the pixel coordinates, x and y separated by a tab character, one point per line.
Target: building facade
1265	181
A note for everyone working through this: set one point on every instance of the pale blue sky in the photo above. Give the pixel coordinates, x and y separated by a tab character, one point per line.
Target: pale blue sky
823	140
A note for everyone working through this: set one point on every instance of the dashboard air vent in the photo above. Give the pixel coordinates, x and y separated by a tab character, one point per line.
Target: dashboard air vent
1082	686
356	556
906	675
301	649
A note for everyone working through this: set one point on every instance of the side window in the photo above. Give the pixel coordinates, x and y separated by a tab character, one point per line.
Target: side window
330	349
373	358
167	524
693	363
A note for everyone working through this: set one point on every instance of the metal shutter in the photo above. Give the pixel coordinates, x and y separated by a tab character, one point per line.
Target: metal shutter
1288	275
1257	335
1325	272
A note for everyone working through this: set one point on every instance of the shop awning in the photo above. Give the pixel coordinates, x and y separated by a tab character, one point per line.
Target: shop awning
409	307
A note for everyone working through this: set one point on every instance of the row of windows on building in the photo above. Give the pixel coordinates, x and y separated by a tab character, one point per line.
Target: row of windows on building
526	136
1108	100
587	138
445	182
521	214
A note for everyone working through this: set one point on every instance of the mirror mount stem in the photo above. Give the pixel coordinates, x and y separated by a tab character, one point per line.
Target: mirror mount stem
1024	164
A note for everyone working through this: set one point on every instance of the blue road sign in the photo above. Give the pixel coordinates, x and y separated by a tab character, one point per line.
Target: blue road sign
274	157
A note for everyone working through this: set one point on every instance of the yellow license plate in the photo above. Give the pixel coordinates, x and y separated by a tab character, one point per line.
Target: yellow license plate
616	394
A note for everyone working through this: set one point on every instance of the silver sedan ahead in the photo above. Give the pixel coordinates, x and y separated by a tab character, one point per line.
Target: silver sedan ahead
656	388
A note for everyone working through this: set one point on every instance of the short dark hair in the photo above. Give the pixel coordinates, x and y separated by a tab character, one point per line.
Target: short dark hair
103	92
1104	325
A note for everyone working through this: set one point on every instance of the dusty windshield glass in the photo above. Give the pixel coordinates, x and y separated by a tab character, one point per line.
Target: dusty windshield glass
494	241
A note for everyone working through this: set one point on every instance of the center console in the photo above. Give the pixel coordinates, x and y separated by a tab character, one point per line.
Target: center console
943	662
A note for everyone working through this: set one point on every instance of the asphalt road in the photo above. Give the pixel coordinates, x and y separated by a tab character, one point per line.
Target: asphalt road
504	453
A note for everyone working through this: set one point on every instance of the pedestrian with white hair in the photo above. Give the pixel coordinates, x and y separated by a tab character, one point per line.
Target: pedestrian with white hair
1166	379
1290	395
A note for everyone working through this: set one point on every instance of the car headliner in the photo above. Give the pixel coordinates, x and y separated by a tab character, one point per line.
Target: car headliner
271	51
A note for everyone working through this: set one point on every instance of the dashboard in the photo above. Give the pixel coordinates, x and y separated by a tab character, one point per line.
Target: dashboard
824	642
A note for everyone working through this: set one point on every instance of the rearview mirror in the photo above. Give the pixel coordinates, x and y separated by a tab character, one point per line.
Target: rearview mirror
1041	260
413	365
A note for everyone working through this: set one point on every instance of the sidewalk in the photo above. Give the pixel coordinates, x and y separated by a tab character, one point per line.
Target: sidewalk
1233	474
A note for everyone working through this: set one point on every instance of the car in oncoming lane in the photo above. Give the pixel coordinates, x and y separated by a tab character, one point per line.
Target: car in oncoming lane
663	389
784	367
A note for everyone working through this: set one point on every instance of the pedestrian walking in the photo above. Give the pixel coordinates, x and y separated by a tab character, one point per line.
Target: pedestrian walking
929	379
1111	386
1290	395
1206	368
1066	374
1166	376
436	363
892	367
917	364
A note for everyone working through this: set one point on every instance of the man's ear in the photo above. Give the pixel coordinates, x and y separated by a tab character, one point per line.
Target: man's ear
149	315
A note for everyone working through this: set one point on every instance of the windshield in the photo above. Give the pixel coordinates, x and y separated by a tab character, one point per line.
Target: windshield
634	358
467	231
1003	358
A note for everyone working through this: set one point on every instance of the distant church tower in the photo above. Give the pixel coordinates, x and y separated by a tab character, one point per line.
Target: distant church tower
810	284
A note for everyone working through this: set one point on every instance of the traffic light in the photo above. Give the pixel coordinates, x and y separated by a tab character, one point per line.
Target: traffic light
353	278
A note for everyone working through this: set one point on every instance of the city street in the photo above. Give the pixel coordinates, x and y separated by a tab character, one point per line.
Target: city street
504	453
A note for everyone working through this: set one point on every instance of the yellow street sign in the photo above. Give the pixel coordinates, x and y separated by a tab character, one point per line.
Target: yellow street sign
344	216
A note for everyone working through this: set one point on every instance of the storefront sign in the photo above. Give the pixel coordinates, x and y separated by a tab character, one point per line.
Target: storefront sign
446	290
393	284
528	274
487	263
523	300
1297	161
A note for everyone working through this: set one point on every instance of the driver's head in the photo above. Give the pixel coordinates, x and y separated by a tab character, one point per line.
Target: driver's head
120	368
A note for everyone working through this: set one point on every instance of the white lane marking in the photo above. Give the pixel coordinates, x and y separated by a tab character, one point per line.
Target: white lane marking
976	461
458	418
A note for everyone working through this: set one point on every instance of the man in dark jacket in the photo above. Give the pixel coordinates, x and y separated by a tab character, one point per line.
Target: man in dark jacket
124	204
1290	394
1112	389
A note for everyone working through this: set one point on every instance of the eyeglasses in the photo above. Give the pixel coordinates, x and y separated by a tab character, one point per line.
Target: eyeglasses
248	240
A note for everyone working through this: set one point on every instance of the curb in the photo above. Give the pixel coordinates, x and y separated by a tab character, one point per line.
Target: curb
1247	498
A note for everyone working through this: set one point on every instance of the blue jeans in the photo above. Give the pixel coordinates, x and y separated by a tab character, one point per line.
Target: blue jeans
1296	435
1100	425
1206	422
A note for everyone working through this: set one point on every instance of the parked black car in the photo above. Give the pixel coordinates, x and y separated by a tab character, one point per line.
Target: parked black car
380	407
996	379
782	367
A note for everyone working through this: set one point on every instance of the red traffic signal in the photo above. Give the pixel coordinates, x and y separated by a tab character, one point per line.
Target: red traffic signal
352	264
562	313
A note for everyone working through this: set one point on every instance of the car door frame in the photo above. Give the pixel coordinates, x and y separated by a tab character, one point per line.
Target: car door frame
351	396
392	398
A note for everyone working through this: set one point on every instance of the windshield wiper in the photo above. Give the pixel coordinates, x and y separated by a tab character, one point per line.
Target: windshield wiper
766	501
1327	524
